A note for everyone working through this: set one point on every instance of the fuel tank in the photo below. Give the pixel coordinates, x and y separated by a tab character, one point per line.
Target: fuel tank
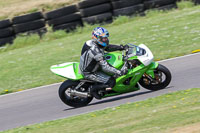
114	59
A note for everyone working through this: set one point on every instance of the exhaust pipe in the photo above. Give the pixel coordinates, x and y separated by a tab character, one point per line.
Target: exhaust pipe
78	93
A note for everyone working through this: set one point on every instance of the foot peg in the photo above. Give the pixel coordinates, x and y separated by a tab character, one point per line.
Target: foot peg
108	89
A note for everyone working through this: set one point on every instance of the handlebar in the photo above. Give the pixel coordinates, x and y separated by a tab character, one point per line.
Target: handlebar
124	53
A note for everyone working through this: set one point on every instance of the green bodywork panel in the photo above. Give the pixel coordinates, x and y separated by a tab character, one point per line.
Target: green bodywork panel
134	75
75	69
79	76
151	69
114	59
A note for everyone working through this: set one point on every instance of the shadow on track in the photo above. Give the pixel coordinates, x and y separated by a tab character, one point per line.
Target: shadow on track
113	99
120	98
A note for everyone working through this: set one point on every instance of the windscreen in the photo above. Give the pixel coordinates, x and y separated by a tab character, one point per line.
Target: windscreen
135	50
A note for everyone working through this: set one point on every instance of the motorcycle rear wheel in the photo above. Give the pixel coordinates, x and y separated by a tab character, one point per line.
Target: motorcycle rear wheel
160	71
72	101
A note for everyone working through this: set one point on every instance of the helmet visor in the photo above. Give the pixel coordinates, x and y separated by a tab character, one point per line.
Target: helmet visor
104	40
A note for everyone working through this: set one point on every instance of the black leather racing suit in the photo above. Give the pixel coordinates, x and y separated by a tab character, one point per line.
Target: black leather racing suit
92	61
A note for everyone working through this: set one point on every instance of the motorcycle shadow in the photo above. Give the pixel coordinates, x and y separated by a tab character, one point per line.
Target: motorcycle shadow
116	98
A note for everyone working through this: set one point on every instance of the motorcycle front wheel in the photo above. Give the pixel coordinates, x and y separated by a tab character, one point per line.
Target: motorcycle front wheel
161	80
74	101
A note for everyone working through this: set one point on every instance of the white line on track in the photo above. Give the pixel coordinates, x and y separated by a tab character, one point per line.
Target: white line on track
61	82
179	57
29	89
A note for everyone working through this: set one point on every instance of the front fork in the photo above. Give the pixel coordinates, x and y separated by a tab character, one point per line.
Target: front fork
151	69
150	76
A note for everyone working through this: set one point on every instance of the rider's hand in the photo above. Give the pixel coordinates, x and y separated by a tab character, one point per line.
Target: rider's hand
124	71
126	47
121	72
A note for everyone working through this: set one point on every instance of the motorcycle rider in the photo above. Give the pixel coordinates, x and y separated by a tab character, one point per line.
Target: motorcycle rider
93	64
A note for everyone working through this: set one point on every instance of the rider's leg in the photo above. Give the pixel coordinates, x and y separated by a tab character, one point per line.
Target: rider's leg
111	83
103	82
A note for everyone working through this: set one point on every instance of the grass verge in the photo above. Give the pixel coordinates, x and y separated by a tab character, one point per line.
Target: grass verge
167	114
11	8
25	64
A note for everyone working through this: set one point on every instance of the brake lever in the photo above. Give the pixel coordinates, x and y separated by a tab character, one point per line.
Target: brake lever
124	57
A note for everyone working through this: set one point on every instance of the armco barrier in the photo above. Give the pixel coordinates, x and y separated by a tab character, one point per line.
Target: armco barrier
69	17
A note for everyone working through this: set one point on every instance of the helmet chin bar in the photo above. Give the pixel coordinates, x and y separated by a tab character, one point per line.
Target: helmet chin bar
103	44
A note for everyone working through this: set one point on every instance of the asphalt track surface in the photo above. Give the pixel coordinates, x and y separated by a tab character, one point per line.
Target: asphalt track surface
43	104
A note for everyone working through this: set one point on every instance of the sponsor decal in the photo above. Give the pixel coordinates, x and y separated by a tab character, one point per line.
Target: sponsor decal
108	57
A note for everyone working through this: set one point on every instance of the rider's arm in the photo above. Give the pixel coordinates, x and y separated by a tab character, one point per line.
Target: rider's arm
105	66
112	47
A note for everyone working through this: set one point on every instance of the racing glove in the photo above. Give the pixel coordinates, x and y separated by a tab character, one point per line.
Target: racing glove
124	47
123	71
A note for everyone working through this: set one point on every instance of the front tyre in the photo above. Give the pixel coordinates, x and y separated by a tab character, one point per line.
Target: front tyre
73	101
161	80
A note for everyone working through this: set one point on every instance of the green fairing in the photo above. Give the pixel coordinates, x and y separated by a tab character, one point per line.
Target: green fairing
134	75
114	59
151	69
61	66
133	58
77	71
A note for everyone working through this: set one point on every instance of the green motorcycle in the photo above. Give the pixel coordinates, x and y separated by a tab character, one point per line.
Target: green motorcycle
142	69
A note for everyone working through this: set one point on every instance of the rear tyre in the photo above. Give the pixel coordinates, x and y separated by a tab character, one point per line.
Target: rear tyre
5	23
33	25
27	18
91	11
6	32
98	18
125	3
6	40
161	80
128	11
68	26
72	101
60	12
89	3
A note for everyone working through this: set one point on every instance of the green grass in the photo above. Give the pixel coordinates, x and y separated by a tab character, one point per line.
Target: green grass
163	114
168	34
11	8
185	4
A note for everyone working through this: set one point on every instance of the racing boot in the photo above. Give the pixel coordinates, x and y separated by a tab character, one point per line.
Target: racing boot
94	89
